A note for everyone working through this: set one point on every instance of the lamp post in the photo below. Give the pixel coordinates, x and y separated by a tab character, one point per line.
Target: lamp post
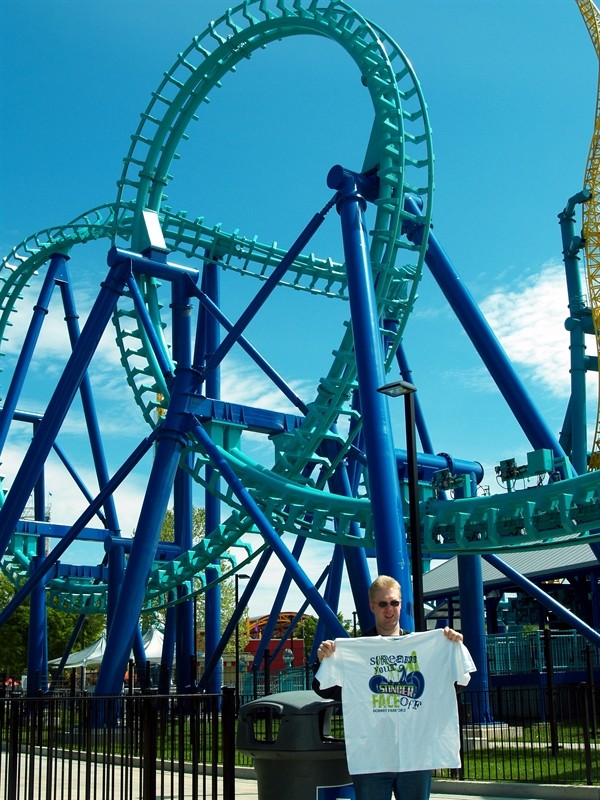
237	641
416	557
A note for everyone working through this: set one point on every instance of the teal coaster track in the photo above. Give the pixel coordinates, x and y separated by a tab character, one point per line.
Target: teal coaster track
334	475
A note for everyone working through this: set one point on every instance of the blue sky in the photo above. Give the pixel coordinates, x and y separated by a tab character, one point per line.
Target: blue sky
510	86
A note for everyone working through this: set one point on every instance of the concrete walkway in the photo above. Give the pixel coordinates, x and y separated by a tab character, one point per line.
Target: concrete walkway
246	788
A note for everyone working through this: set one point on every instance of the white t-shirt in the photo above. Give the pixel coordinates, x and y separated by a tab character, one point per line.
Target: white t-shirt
399	700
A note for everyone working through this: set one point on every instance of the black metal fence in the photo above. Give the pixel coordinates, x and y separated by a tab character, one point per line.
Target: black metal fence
142	747
522	734
537	734
134	747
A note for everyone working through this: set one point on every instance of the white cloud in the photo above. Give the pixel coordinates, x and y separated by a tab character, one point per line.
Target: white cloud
245	383
473	379
528	319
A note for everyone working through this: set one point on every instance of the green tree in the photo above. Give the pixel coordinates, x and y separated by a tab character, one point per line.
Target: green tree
14	638
167	531
307	628
13	641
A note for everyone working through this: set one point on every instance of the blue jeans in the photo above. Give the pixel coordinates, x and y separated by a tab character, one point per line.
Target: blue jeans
404	785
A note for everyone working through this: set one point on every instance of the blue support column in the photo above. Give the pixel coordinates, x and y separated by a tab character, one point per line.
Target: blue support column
171	440
184	612
60	402
390	536
182	497
277	607
89	407
472	616
139	653
37	635
576	325
595	598
166	660
116	571
209	338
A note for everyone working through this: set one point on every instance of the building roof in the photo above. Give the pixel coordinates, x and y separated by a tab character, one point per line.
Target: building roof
541	564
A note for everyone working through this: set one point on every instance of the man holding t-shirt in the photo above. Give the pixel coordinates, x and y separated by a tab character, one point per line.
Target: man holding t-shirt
399	701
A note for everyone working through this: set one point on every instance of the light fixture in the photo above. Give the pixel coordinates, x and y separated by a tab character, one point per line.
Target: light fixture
396	389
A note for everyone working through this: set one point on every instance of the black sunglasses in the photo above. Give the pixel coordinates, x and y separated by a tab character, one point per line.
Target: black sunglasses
385	604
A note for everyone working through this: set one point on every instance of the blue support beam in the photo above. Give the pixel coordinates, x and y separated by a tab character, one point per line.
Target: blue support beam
172	438
485	342
212	663
61	401
268	287
548	602
267	531
576	325
89	407
276	608
390	536
185	653
258	420
472	616
57	270
207	343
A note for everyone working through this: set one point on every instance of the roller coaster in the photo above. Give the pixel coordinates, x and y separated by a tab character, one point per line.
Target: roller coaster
333	475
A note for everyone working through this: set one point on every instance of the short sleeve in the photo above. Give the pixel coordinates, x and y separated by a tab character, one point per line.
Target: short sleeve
464	664
329	672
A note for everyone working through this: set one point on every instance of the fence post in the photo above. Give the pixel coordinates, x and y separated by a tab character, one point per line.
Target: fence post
149	740
550	691
267	689
228	741
583	691
589	664
13	750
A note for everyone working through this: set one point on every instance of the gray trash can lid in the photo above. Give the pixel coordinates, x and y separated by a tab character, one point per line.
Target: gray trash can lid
290	703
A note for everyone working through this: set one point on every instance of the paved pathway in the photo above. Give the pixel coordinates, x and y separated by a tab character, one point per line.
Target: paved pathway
247	789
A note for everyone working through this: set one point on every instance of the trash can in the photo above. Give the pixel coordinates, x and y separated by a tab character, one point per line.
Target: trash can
292	739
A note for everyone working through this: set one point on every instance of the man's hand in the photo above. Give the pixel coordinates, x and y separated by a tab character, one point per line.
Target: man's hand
327	648
453	635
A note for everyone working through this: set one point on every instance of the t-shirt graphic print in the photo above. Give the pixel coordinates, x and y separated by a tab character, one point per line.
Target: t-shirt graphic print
398	699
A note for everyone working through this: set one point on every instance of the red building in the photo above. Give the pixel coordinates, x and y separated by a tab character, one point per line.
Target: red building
278	664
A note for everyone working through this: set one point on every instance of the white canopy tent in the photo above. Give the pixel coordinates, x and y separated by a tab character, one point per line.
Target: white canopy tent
93	655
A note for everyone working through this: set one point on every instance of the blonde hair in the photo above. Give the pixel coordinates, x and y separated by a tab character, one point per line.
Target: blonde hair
383	582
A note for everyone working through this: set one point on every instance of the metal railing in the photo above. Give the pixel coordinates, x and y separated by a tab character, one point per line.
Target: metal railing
533	735
140	747
527	652
530	735
131	747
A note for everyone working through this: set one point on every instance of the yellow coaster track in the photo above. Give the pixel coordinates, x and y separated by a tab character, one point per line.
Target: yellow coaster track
591	212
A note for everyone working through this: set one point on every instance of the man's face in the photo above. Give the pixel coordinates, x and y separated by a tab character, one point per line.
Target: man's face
387	616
